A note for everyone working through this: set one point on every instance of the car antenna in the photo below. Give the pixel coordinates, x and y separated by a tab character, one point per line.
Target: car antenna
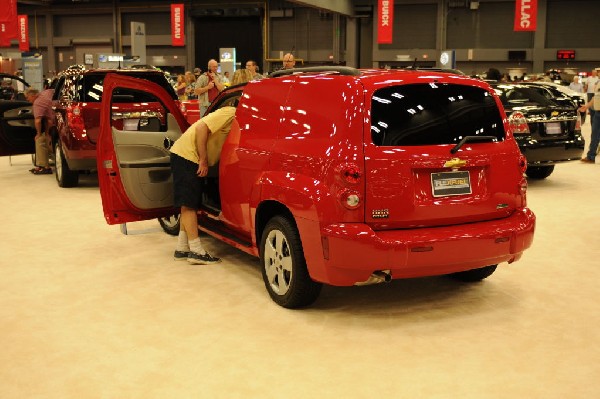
414	65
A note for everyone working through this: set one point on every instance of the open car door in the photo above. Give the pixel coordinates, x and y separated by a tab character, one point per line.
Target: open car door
17	127
134	170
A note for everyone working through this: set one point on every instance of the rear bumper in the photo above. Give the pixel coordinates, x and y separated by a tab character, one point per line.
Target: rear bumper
81	159
551	152
352	252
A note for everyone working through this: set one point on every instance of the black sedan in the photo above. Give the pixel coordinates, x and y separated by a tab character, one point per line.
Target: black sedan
547	129
17	127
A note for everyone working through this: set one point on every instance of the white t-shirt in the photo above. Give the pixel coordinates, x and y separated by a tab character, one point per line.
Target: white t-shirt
591	83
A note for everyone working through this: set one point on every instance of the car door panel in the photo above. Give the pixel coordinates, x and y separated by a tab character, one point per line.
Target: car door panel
144	164
17	128
134	166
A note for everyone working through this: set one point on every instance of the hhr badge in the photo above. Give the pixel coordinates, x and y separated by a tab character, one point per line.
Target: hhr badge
380	213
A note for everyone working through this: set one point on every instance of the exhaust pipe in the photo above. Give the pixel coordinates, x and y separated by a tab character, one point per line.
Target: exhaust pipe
378	276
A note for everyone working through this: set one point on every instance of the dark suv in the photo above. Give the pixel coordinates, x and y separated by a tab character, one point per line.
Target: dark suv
77	98
340	176
545	125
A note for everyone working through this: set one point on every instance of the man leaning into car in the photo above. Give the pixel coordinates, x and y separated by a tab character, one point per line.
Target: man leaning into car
44	119
191	155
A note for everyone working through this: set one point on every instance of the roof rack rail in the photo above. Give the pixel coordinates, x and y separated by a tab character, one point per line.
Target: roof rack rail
342	70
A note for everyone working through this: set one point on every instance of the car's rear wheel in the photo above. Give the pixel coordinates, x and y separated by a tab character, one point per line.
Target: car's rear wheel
284	268
64	176
170	224
474	275
539	172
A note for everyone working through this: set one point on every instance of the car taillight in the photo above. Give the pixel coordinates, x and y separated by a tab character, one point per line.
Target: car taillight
518	123
349	173
523	191
76	124
350	199
523	163
349	176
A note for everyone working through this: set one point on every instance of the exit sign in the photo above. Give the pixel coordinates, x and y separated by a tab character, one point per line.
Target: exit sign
565	54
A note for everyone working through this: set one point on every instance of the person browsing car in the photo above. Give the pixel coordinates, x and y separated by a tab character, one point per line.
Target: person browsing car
44	119
191	155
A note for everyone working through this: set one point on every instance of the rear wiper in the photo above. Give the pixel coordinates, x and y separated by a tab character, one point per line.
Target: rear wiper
467	139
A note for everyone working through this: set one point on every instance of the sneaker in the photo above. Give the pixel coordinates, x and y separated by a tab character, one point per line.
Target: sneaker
587	160
42	171
181	255
205	259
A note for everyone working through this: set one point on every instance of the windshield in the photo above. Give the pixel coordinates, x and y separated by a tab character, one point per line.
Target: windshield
432	114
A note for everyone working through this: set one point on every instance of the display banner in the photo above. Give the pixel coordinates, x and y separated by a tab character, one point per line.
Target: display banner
526	16
385	22
8	22
177	25
138	41
23	22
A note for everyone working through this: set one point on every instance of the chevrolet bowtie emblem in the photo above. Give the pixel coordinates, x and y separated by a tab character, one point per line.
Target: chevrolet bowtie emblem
554	113
455	163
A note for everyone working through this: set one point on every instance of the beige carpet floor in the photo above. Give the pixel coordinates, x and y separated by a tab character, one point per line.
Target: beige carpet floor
86	312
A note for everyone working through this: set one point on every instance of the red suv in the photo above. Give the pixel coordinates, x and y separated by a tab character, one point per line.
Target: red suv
77	98
341	176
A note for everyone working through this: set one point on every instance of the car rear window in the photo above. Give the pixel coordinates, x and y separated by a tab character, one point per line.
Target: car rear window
91	88
433	114
515	96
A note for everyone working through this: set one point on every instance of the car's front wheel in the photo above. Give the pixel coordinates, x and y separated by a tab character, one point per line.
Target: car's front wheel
474	275
539	172
64	176
284	268
170	224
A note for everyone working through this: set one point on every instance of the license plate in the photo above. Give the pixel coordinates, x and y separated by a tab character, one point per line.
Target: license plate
130	124
444	184
553	128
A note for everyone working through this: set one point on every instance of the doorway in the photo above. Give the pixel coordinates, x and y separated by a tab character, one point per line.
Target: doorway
243	33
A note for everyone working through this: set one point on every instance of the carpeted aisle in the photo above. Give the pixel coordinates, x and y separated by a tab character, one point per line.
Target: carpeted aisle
86	312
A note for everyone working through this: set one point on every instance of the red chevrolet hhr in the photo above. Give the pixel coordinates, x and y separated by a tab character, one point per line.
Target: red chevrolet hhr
340	176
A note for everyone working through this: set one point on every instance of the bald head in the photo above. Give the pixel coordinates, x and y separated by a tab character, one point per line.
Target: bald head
288	61
213	65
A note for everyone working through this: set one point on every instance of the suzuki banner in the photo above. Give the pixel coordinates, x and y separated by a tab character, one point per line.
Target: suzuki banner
23	32
8	22
526	16
177	25
385	22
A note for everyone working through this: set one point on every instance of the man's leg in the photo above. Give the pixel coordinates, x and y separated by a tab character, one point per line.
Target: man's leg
595	139
189	222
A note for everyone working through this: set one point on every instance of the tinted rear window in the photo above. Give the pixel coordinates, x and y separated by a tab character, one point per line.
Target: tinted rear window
432	114
515	96
91	88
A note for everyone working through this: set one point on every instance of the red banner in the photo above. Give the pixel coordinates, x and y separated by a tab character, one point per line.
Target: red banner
526	16
385	22
177	25
8	22
23	22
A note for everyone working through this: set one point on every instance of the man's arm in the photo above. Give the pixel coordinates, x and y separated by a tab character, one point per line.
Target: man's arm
202	133
218	83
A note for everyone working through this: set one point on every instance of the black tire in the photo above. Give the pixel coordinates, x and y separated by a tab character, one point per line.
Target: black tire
170	224
64	176
539	172
471	276
283	265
